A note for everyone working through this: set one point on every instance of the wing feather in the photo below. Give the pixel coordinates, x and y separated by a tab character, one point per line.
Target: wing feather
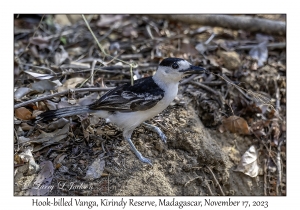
143	95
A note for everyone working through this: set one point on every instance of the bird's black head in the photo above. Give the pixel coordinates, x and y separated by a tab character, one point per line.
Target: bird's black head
170	62
181	65
173	69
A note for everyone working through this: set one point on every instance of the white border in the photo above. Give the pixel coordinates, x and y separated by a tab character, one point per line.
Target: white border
153	6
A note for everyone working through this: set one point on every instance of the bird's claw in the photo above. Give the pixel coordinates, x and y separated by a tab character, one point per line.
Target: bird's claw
163	137
144	160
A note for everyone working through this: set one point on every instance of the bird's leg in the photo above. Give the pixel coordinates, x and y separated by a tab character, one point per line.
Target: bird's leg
156	130
137	153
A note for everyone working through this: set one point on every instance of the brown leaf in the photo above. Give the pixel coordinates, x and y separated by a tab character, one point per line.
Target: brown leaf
18	159
235	124
23	113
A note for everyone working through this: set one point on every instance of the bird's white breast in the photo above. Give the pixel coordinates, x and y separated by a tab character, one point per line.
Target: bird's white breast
130	120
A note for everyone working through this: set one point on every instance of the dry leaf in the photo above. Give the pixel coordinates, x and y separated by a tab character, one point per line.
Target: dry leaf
58	160
61	122
235	124
96	169
26	156
61	56
260	53
230	60
39	76
71	83
43	85
248	164
18	159
44	179
22	92
23	113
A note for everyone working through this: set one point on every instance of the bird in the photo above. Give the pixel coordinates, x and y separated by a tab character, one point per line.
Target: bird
128	106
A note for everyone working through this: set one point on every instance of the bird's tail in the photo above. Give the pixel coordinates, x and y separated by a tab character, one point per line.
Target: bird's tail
64	112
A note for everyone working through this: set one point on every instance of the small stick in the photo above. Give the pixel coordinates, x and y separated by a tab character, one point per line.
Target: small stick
221	98
265	176
205	87
188	79
270	155
277	97
92	72
191	180
61	93
278	167
207	185
216	180
38	67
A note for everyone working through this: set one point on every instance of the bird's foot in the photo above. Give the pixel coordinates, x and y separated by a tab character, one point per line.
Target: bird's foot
143	159
137	153
156	130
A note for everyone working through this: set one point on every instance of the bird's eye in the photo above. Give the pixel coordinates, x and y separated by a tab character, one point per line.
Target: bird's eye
175	66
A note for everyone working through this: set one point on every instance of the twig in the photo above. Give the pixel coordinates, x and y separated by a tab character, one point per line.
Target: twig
265	176
216	180
210	38
277	96
221	98
92	72
116	25
96	70
278	167
188	79
108	183
213	83
207	185
191	180
232	22
204	87
61	93
38	67
131	56
269	152
270	46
